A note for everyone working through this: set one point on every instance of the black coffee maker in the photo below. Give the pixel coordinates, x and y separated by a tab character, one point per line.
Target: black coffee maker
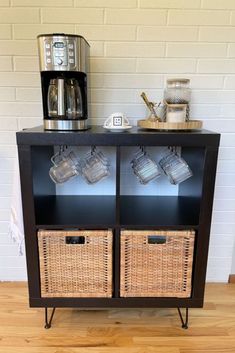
64	66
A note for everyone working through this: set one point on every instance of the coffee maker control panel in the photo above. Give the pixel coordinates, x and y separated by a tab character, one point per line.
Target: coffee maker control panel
59	53
63	52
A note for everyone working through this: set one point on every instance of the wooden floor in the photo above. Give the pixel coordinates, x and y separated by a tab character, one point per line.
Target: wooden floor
212	329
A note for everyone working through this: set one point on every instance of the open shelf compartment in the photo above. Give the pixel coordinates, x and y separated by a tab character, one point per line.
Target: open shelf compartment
73	211
160	211
75	203
159	203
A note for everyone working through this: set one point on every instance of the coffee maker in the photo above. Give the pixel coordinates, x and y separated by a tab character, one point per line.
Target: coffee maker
64	68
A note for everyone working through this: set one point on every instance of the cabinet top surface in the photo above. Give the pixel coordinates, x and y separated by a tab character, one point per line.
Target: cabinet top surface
98	135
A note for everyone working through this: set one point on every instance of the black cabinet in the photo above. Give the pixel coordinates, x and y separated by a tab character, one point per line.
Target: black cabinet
190	208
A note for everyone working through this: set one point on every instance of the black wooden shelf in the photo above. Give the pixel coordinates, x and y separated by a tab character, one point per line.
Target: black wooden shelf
70	211
99	136
159	211
191	209
177	212
137	302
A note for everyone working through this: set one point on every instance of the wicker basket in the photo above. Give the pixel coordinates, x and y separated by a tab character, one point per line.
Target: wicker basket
75	263
156	263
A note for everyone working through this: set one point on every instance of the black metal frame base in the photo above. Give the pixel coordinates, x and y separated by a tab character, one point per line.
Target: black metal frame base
184	322
48	323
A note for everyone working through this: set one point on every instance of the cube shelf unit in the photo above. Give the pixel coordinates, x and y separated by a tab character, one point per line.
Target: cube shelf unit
43	208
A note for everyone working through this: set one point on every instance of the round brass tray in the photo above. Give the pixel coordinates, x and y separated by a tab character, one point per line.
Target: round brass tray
160	125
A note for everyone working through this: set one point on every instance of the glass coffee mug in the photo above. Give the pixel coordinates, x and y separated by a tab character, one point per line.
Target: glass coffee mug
65	167
175	167
95	166
144	167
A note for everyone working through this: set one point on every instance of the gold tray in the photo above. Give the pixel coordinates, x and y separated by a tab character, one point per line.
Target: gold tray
160	125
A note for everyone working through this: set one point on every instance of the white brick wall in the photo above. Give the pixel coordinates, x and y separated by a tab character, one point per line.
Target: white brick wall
135	45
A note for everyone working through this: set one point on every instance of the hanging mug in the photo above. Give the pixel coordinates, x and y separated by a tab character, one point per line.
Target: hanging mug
64	167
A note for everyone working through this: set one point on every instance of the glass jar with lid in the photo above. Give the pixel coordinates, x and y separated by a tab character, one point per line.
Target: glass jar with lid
177	91
176	113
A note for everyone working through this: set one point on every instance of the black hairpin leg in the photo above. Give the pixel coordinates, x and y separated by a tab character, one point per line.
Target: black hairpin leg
184	322
48	323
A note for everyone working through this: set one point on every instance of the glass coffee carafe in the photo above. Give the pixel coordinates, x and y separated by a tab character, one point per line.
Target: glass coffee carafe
64	99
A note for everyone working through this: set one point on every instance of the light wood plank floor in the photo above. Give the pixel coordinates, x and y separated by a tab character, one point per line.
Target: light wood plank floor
212	329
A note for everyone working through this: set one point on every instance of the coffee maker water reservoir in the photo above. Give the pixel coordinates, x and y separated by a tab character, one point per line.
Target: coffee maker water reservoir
64	66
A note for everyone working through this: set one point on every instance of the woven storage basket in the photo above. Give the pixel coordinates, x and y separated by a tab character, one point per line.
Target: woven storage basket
156	263
75	263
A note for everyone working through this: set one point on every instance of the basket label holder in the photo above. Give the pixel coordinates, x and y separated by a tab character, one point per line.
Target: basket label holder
77	240
157	239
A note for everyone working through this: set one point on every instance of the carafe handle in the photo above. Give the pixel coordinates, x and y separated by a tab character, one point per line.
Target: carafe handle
61	108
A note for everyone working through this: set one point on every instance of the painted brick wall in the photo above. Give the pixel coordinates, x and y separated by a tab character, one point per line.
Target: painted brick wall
135	45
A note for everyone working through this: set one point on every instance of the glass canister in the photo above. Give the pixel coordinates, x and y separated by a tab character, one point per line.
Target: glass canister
176	113
177	91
